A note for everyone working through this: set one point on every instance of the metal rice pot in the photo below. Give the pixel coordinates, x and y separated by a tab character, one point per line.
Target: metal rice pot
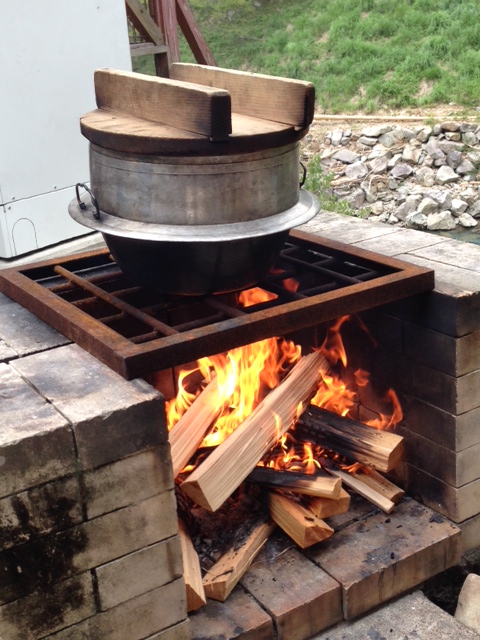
194	225
196	268
195	190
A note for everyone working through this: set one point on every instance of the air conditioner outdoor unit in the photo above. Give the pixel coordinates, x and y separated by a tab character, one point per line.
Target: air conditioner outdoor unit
49	50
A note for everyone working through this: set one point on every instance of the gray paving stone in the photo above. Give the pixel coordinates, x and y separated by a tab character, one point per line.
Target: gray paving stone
111	417
23	332
36	441
412	616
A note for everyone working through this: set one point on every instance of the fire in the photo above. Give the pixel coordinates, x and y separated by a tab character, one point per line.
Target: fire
244	377
246	374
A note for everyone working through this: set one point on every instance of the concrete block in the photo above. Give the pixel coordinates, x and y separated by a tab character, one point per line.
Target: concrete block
6	353
129	480
388	556
23	332
36	442
454	356
139	572
177	632
112	418
447	430
345	229
456	469
455	395
457	504
85	546
451	310
470	533
301	598
240	617
38	511
402	241
49	610
159	610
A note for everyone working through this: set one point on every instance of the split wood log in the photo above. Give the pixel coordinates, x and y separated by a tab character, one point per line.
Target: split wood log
298	522
380	484
225	574
215	479
382	450
186	436
325	508
191	571
320	485
366	491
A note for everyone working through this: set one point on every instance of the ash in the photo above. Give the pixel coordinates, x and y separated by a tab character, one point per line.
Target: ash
214	534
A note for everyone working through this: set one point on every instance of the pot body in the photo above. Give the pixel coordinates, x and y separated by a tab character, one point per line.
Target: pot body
195	190
196	268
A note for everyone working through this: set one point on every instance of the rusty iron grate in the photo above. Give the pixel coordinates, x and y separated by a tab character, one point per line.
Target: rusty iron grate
137	331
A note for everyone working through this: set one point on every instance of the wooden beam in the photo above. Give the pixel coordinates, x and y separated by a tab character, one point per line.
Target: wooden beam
298	522
168	15
213	481
253	94
219	581
193	35
382	450
186	106
143	22
147	48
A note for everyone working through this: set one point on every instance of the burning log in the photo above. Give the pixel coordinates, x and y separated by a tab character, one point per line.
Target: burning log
356	483
320	485
215	479
220	580
297	521
379	449
191	571
325	508
188	433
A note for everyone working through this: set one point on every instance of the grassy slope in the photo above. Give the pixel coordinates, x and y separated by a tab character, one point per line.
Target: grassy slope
361	54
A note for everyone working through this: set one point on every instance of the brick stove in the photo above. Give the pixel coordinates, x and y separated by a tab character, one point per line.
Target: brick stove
83	438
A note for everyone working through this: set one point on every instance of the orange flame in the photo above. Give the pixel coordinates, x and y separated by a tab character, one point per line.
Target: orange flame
246	374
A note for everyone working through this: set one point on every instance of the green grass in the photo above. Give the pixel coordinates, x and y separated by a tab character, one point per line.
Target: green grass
360	54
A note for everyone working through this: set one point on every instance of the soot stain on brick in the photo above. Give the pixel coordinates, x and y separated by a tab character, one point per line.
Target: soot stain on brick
47	611
37	512
40	564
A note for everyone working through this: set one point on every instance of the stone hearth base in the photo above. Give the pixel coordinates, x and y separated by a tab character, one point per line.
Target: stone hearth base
88	530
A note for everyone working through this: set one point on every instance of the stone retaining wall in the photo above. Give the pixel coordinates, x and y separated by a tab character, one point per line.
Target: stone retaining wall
422	177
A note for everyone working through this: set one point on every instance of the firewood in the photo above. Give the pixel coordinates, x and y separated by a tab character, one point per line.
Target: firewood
325	508
382	450
376	481
355	482
320	484
191	571
219	581
215	479
298	522
188	433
